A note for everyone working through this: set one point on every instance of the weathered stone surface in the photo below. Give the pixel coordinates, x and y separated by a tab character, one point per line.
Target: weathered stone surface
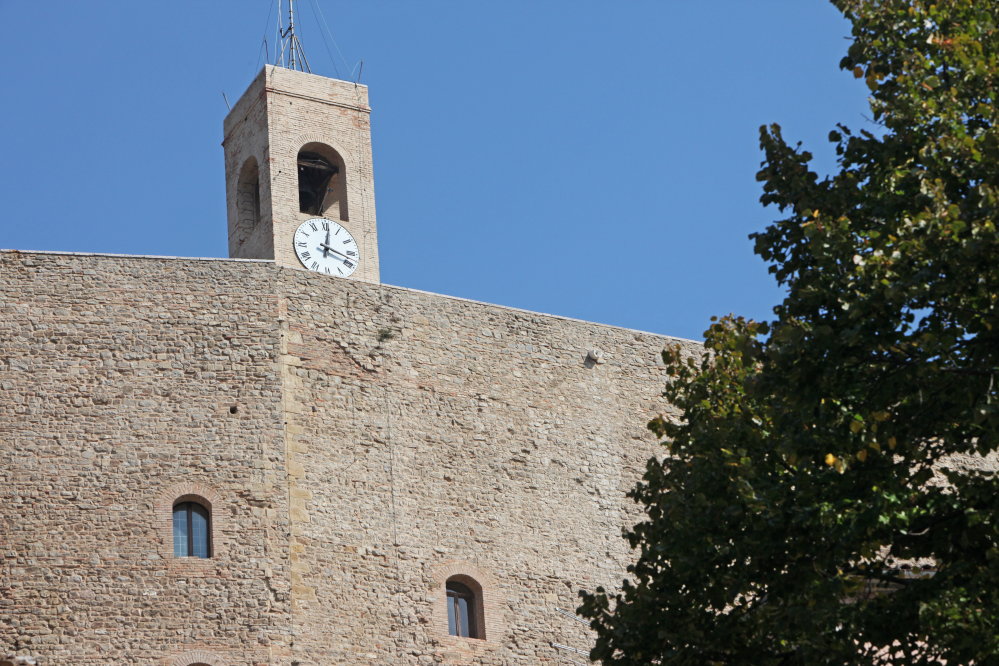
119	375
357	472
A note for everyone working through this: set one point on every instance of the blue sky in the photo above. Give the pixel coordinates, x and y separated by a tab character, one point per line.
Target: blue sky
589	159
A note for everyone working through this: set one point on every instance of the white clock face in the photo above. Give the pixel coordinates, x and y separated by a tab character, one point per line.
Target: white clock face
326	247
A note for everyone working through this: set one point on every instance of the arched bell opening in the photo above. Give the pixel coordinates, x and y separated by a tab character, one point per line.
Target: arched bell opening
321	183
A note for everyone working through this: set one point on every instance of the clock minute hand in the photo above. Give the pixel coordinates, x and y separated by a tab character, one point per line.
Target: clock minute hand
327	247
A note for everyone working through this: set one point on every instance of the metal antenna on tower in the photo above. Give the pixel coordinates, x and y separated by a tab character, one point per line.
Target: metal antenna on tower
291	45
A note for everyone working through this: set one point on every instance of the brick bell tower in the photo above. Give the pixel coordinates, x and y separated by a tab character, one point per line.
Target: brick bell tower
298	147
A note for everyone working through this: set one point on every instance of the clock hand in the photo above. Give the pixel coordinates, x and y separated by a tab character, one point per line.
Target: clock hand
327	247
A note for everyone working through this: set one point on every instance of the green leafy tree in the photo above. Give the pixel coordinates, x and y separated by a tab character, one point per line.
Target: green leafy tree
855	430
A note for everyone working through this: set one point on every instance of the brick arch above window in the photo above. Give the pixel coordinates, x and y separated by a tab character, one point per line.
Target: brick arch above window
208	497
12	659
318	137
198	658
490	616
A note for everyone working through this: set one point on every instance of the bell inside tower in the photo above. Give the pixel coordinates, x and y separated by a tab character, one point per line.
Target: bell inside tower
317	183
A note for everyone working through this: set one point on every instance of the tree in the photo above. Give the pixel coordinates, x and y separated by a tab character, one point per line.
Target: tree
856	429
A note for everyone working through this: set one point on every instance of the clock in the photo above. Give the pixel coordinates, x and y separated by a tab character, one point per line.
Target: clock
324	246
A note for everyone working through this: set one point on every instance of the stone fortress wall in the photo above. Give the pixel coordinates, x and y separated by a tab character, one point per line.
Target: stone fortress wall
116	384
358	444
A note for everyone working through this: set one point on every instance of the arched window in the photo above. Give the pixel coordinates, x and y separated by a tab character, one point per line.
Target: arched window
191	530
248	194
321	187
247	214
462	609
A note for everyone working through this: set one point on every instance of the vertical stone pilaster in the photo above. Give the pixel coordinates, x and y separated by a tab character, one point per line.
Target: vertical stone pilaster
298	512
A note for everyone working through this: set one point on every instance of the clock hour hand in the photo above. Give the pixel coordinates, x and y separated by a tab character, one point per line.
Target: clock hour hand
327	247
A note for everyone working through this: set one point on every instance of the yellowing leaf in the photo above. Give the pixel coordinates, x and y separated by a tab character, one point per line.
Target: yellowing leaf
881	416
891	442
862	455
856	426
830	459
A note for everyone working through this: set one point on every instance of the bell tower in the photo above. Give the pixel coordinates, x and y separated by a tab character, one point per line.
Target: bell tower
297	147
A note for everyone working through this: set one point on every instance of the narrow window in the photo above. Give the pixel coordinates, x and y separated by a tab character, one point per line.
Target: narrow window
460	610
191	530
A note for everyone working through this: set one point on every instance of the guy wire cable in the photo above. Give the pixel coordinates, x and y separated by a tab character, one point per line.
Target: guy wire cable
324	38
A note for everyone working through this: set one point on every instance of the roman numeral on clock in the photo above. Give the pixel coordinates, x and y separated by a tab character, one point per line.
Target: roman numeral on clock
349	240
347	263
315	265
303	245
326	226
306	256
313	225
